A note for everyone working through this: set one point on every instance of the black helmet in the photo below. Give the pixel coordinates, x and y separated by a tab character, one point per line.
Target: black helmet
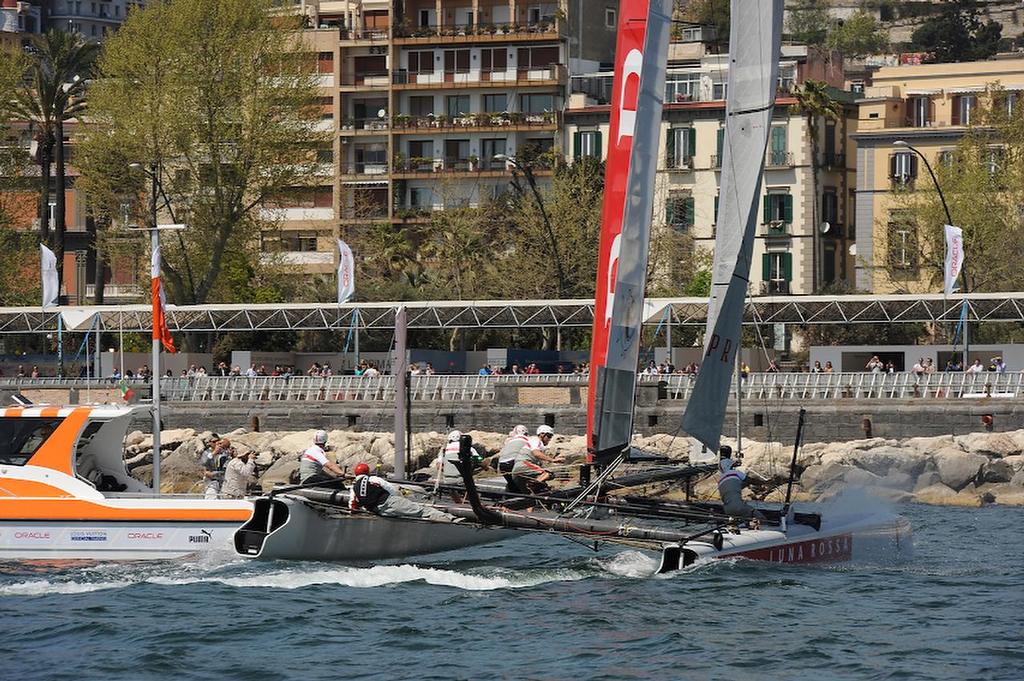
725	452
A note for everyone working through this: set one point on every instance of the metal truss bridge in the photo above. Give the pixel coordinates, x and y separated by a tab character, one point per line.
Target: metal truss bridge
514	314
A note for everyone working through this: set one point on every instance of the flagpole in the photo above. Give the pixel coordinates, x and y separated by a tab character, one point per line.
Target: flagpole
155	245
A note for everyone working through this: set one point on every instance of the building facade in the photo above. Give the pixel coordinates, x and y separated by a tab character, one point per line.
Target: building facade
431	103
802	242
929	107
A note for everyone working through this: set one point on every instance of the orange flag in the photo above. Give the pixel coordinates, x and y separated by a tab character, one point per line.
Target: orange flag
160	330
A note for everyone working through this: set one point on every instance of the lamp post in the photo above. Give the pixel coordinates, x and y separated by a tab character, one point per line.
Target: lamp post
902	144
528	173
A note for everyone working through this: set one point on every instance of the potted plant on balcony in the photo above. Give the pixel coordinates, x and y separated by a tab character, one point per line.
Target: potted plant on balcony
402	120
489	29
440	121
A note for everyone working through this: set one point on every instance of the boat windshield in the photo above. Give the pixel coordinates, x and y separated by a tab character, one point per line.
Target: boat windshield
20	438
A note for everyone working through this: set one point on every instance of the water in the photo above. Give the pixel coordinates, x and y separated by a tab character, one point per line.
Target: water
534	608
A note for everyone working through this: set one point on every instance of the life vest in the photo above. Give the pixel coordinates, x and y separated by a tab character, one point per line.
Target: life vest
369	494
514	447
310	463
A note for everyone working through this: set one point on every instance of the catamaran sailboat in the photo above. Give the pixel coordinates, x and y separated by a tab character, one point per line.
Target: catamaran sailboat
316	524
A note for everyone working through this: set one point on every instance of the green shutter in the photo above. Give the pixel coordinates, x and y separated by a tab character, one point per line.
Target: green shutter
670	149
766	266
691	142
669	210
787	209
598	149
577	140
787	266
721	143
767	217
688	211
779	139
716	210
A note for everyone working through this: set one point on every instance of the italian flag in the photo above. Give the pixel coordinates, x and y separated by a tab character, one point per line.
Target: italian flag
160	330
126	392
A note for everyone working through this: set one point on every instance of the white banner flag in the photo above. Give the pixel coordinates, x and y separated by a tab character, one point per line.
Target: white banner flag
346	272
51	284
954	257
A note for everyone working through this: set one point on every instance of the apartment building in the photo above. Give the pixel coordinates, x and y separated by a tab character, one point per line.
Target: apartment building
431	104
93	19
930	107
803	242
18	21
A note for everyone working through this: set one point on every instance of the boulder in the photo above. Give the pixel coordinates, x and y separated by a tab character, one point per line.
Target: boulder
937	494
279	472
887	459
264	459
192	448
135	438
989	444
821	477
383	448
927	479
1016	462
1018	479
929	445
293	443
180	472
957	468
996	470
170	439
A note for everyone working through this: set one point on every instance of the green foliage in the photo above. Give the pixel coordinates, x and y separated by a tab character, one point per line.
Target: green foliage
958	34
712	13
19	268
859	35
220	99
809	21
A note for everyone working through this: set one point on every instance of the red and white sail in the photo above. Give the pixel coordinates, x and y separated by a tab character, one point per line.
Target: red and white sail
160	330
637	96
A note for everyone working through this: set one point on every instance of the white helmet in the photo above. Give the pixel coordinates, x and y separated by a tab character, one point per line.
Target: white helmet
545	430
454	436
519	431
320	438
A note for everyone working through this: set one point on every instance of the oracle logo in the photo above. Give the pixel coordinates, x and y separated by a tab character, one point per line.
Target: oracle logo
145	535
32	535
631	67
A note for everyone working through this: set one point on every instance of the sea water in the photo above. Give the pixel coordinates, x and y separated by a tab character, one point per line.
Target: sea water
536	607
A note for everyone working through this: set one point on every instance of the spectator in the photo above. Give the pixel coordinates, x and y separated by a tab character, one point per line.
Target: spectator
21	371
929	366
35	372
954	365
1000	365
371	371
532	369
515	370
222	369
414	369
816	369
485	370
429	370
918	368
828	368
976	368
875	365
890	368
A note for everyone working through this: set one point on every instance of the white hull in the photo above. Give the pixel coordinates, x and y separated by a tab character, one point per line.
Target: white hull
299	532
83	540
878	537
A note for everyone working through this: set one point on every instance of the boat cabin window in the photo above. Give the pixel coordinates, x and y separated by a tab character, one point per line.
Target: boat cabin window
20	438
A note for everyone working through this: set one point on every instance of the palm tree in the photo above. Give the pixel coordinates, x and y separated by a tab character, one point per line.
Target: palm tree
59	65
815	99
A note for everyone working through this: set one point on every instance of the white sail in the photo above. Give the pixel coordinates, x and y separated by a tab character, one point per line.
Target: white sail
616	381
754	46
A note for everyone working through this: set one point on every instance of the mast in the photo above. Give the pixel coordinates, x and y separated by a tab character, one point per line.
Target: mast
638	95
754	47
400	369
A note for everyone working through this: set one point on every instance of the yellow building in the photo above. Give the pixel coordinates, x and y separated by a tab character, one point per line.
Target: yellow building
929	107
803	239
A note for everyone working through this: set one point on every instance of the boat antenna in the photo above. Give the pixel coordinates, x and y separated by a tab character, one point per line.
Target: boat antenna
792	463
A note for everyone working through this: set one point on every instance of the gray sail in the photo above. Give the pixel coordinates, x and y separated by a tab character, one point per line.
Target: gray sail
754	46
616	382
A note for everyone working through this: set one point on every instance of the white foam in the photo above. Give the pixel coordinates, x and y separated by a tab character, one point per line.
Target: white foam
633	564
47	588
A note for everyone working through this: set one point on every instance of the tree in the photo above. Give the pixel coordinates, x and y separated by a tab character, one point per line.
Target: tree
59	65
711	13
218	99
809	21
958	34
859	35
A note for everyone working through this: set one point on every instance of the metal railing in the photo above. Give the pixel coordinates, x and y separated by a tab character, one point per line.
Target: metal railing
461	387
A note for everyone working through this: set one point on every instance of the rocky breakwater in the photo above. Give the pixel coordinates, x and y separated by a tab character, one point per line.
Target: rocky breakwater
964	470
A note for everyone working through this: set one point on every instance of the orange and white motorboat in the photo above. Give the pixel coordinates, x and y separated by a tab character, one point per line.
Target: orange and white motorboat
59	469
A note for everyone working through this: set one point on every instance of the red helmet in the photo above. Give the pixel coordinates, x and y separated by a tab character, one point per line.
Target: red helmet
361	469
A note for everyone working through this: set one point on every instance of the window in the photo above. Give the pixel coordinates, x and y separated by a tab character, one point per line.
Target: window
533	14
680	147
20	438
919	110
421	62
325	62
679	211
587	143
777	155
682	87
421	149
537	57
456	61
716	161
456	151
421	105
946	158
777	271
963	109
778	208
902	251
421	197
494	59
536	103
857	86
302	243
719	90
423	18
457	106
830	209
609	17
489	148
903	167
495	103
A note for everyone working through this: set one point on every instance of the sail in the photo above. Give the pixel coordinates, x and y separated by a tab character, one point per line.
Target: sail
754	45
638	94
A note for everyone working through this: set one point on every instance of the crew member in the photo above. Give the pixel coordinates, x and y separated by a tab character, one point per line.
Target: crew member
450	454
314	465
519	459
213	461
377	495
542	439
239	474
730	486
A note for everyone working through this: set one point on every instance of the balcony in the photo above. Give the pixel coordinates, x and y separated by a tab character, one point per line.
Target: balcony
716	161
369	35
679	163
837	161
413	214
555	74
776	228
778	159
362	169
775	287
365	126
298	214
482	122
115	292
370	80
477	33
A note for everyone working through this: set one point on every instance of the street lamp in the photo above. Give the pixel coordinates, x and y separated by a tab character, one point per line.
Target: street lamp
528	173
902	144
